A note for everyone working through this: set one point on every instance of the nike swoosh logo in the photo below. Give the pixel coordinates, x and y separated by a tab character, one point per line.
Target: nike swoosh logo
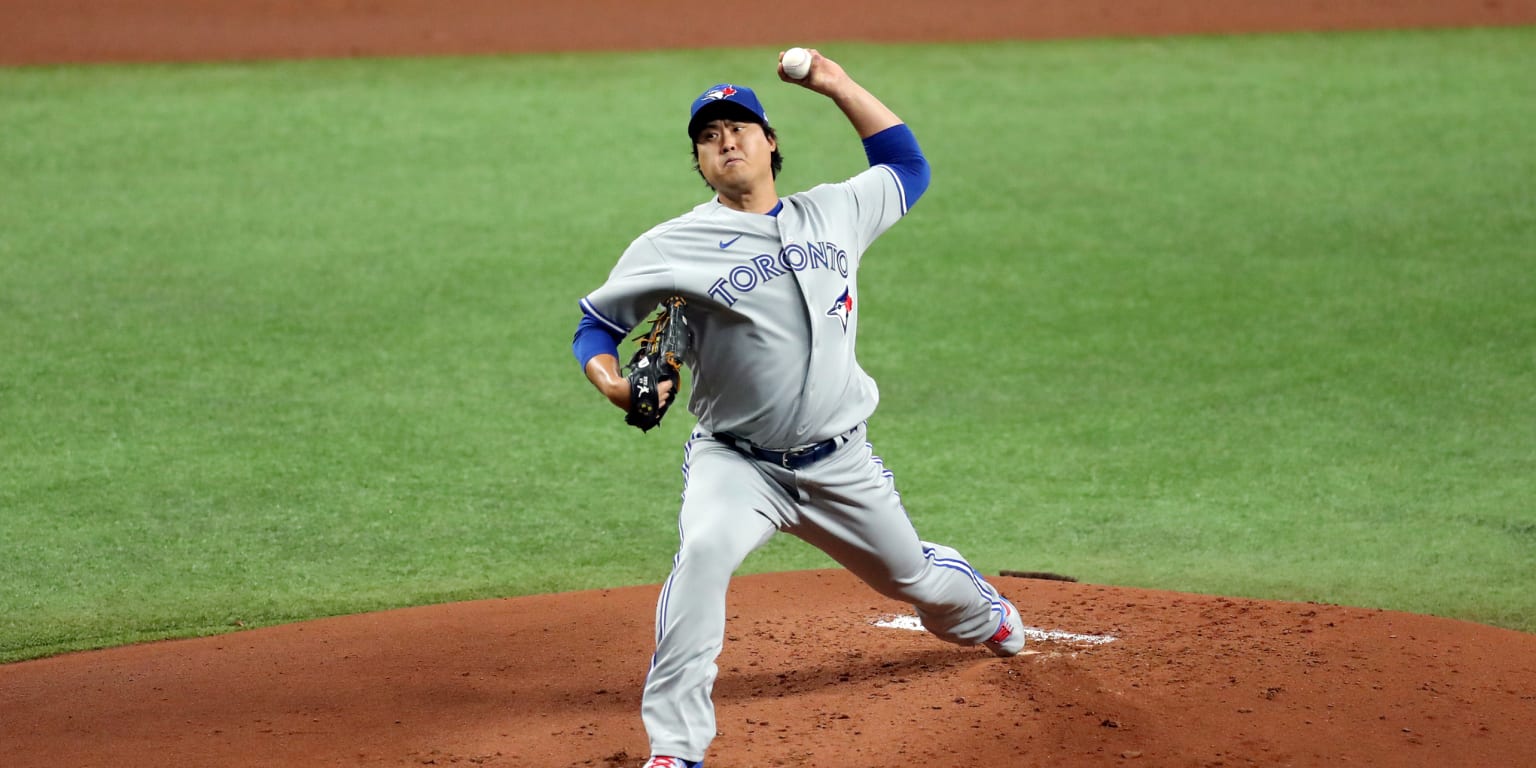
724	244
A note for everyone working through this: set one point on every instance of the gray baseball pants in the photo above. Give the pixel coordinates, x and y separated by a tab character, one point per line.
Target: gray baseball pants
847	506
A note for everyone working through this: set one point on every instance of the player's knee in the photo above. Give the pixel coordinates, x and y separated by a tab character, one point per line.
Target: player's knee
708	556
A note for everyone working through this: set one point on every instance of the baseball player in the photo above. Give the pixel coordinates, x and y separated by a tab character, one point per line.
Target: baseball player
772	301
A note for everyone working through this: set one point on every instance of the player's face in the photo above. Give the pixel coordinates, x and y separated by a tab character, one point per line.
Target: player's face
735	155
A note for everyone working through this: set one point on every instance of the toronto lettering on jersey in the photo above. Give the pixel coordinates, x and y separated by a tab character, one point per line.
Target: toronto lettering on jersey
766	266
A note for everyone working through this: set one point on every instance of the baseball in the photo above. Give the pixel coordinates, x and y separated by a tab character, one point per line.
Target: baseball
797	63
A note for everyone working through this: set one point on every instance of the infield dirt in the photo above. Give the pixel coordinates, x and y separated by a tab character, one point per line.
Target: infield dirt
806	677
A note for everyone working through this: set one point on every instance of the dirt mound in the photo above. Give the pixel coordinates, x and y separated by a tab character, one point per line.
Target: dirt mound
816	671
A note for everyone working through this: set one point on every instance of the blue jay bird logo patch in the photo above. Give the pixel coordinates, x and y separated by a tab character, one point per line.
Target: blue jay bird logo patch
842	309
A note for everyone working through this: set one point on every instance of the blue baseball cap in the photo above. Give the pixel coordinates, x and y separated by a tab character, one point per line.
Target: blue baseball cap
728	97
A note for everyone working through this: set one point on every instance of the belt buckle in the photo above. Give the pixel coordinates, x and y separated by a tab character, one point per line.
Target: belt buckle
796	454
816	449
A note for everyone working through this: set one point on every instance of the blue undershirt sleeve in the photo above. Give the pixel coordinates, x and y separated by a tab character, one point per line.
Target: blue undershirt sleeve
592	338
896	148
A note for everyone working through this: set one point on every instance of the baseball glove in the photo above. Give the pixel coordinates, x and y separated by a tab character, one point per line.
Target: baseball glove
658	357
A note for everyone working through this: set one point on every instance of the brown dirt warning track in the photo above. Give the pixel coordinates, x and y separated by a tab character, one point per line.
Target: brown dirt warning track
811	674
50	31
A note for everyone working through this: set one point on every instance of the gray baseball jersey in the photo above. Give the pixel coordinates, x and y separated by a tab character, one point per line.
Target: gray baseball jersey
761	371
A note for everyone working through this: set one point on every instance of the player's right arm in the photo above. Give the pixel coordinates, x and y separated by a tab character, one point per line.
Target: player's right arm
598	352
597	349
638	281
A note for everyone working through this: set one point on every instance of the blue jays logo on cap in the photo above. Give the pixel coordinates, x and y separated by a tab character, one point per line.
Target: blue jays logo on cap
716	97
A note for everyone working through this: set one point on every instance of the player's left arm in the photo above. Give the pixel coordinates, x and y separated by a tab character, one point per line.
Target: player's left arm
868	114
896	148
887	139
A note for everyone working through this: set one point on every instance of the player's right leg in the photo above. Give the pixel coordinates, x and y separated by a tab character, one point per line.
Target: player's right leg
729	508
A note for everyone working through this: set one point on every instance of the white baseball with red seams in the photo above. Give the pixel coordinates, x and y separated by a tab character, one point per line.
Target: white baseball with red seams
797	63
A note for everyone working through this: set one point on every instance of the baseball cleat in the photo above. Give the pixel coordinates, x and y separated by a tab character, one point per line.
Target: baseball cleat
662	761
1008	640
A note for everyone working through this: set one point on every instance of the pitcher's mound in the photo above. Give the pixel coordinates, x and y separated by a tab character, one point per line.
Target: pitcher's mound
817	671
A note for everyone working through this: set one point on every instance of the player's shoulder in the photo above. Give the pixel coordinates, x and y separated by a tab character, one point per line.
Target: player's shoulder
682	224
821	193
841	191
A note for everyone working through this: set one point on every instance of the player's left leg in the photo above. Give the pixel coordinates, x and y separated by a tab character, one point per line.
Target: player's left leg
851	510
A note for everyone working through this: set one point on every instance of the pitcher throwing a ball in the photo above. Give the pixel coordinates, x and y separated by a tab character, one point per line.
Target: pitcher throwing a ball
770	290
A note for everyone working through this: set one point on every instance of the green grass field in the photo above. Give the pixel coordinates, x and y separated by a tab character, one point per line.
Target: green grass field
1250	316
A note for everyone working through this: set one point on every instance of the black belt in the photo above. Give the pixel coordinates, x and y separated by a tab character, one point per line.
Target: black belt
794	458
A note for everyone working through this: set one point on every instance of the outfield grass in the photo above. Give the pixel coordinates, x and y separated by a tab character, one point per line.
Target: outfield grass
1251	316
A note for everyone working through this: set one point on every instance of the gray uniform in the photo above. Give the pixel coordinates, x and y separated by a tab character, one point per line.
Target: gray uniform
773	306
